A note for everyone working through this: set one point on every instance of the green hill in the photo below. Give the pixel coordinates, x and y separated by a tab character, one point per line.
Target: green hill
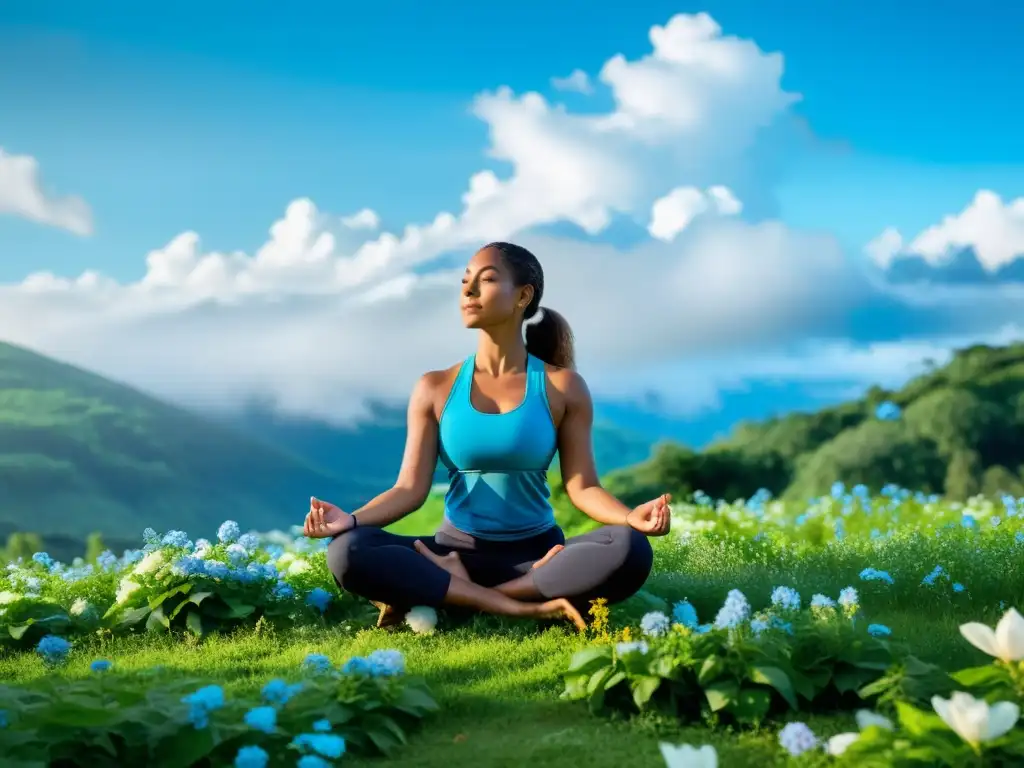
79	453
960	432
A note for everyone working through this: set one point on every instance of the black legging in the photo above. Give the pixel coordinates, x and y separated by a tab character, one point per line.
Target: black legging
612	562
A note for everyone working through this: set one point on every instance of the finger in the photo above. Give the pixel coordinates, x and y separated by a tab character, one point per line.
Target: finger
320	516
305	526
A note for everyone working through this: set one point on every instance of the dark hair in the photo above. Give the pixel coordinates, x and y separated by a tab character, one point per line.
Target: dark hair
550	338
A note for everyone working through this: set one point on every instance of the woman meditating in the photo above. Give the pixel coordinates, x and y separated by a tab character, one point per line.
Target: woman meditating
496	421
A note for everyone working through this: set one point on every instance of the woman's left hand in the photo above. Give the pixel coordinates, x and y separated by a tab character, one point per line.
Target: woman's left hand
653	518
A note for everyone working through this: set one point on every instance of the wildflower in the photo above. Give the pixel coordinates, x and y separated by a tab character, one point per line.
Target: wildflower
734	611
106	560
252	757
215	569
4	721
312	761
838	490
839	743
324	744
887	411
867	719
786	598
873	574
797	738
283	591
849	600
974	720
149	536
100	665
931	577
236	553
386	663
422	619
228	532
319	598
758	626
125	590
150	563
249	542
685	756
44	560
177	539
277	691
202	702
958	587
316	662
822	601
357	665
262	719
655	624
684	613
776	623
53	649
82	607
879	630
322	726
298	566
1006	643
637	646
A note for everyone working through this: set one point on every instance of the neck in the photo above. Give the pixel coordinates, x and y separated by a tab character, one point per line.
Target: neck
501	350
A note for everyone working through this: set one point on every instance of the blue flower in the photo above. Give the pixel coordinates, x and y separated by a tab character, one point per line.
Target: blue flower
131	556
776	623
202	702
873	574
324	744
283	590
879	630
758	626
838	490
967	521
316	662
312	761
100	665
249	542
216	569
849	599
822	601
53	649
106	560
931	577
319	598
228	532
44	560
277	691
386	663
887	411
4	722
684	613
655	624
322	726
252	757
734	610
636	646
149	536
797	738
786	598
958	587
262	719
177	539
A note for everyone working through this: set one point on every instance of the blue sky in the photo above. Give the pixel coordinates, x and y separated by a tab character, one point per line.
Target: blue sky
212	117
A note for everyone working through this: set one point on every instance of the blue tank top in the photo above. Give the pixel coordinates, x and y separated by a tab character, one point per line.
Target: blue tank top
498	463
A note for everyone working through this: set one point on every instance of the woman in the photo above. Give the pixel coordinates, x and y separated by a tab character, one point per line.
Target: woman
496	420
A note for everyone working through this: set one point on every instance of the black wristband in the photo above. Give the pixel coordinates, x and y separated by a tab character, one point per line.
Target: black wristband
355	522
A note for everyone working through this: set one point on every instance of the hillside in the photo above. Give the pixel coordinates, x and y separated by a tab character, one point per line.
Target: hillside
79	452
958	431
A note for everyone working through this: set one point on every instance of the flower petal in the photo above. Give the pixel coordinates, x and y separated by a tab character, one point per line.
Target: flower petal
1009	635
866	718
1002	716
941	707
981	637
839	743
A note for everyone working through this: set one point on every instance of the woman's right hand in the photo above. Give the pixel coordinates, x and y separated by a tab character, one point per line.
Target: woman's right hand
325	519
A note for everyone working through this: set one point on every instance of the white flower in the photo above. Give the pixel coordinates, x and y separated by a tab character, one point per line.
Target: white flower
285	560
839	743
7	597
124	590
685	756
866	718
299	566
422	619
973	719
80	607
1006	643
149	563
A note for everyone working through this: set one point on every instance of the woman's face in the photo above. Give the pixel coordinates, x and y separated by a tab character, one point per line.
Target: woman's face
489	294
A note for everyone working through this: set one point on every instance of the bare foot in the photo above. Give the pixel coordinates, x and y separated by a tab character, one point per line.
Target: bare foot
559	608
450	562
551	553
389	616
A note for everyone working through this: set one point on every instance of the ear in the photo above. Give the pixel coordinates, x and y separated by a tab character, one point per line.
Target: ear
525	296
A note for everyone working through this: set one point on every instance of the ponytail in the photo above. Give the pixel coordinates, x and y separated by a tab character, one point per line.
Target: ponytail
550	339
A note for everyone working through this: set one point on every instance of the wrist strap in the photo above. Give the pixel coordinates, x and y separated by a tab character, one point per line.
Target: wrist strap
355	522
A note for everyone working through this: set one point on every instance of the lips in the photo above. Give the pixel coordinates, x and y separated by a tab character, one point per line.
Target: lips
472	308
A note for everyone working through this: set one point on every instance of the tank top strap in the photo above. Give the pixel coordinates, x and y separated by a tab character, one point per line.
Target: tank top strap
537	380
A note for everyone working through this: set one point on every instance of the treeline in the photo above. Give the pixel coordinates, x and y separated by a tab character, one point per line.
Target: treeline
956	430
24	544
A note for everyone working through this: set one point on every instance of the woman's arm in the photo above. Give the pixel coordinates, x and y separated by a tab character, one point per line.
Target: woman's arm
577	457
418	463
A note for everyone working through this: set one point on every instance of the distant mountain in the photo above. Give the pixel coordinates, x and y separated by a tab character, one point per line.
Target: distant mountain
79	453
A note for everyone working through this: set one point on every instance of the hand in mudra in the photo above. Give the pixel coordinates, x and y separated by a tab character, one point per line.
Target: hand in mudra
325	519
653	518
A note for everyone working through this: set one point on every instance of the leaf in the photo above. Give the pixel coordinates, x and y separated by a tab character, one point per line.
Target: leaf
589	660
196	598
850	680
917	722
981	677
721	694
710	669
178	752
810	684
643	689
133	616
239	610
181	589
777	679
157	620
415	701
194	622
751	705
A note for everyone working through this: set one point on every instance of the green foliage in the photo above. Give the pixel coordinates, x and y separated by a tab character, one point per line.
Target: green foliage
111	719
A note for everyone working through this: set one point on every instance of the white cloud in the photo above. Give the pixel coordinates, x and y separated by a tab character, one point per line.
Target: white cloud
22	194
331	312
578	81
992	228
673	213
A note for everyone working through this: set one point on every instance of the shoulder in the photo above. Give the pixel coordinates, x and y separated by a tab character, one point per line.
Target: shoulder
433	386
569	384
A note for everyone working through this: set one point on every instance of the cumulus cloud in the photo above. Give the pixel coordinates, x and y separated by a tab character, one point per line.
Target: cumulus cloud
332	312
988	231
22	194
577	80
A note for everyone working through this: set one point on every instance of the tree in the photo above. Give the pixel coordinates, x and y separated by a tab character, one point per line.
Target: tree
94	546
963	475
22	545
